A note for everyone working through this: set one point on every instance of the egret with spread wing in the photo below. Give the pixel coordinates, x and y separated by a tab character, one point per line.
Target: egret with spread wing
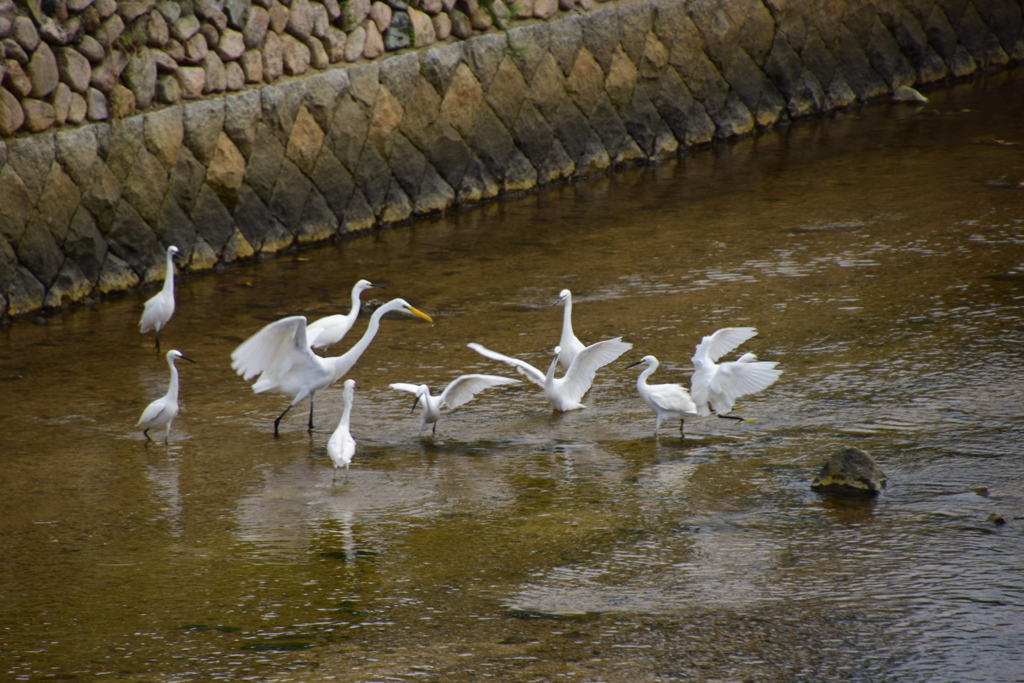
331	329
160	307
162	411
280	354
460	391
565	392
716	386
668	401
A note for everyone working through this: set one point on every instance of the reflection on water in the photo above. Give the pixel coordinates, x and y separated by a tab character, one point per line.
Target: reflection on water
879	253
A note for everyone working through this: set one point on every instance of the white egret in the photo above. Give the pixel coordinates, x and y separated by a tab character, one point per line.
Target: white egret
668	401
569	344
565	392
160	307
162	411
331	329
341	446
280	354
715	387
458	392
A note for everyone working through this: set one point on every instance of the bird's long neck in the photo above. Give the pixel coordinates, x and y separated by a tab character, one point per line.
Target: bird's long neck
642	379
172	391
430	402
346	360
346	412
169	276
551	371
354	312
567	318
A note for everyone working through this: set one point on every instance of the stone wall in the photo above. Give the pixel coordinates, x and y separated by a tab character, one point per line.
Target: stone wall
68	61
86	210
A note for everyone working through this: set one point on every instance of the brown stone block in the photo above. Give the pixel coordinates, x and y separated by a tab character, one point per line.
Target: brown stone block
295	56
192	80
74	69
252	66
507	92
273	58
216	76
226	171
61	197
278	17
157	30
78	109
374	45
61	101
16	80
256	27
121	101
462	100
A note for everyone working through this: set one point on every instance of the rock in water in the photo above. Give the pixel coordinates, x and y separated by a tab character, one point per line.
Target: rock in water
908	95
850	470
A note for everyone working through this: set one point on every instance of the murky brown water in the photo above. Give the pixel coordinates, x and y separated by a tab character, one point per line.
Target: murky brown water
881	256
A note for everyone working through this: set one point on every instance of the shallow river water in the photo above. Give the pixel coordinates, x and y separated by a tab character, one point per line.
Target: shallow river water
880	255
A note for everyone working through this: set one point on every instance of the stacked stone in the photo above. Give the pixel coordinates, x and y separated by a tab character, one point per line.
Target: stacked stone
88	210
91	60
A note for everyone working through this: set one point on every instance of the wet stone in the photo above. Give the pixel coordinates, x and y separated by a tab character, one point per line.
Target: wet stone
850	470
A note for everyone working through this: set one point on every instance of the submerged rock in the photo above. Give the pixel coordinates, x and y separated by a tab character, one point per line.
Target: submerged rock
850	470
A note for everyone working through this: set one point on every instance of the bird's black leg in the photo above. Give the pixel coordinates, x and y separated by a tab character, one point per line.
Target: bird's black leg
278	420
311	410
145	433
681	429
434	431
158	340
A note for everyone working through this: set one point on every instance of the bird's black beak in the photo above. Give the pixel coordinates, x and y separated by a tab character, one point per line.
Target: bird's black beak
378	286
634	364
415	403
188	359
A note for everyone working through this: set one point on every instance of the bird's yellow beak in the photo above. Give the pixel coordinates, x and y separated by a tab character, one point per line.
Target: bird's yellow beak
419	314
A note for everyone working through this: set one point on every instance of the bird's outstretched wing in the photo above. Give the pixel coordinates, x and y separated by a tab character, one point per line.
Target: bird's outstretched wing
273	353
735	379
580	375
672	397
464	388
402	386
714	346
319	328
531	373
